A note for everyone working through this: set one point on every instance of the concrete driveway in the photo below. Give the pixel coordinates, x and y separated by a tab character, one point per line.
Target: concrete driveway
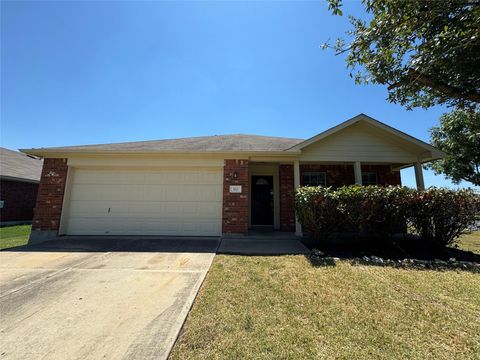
99	298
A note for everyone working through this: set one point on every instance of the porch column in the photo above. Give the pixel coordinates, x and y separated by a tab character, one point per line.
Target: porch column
419	176
296	184
357	167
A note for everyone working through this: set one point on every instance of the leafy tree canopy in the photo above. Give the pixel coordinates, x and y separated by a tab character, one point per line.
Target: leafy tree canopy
459	136
426	52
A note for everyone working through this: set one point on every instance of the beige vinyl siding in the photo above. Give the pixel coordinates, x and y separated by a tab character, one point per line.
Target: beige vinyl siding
358	143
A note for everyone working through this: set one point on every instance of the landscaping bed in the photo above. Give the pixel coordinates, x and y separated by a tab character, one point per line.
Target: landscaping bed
409	252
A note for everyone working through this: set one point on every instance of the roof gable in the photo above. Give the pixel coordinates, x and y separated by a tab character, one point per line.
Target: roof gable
400	139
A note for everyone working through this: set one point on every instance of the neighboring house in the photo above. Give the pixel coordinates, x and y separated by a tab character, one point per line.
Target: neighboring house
19	179
213	185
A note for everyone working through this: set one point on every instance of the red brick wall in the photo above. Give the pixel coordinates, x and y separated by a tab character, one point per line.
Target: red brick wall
339	175
385	175
19	200
287	212
235	205
48	209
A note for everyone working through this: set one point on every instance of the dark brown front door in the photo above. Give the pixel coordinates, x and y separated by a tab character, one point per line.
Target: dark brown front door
262	200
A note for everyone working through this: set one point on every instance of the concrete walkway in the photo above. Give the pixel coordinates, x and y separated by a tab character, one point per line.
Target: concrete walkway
99	298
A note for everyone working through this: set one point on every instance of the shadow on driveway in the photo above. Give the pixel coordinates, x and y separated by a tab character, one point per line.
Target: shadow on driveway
172	244
124	244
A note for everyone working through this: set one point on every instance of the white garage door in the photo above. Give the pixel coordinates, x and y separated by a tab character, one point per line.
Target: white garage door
163	202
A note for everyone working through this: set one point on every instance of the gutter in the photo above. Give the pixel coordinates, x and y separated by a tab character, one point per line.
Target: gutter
46	153
13	178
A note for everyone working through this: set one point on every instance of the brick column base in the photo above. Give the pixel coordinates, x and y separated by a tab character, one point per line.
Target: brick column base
287	211
48	209
235	205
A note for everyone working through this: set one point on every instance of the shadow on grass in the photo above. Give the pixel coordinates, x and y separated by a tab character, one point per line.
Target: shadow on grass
405	253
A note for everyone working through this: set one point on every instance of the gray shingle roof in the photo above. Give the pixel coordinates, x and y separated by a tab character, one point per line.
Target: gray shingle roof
220	143
14	164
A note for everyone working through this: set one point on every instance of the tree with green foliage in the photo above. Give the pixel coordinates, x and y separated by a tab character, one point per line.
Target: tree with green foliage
459	137
426	52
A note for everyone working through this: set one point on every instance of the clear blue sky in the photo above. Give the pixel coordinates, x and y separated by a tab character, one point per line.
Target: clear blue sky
97	72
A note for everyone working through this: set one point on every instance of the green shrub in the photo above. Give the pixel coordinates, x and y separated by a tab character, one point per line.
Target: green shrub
442	215
374	211
437	215
318	210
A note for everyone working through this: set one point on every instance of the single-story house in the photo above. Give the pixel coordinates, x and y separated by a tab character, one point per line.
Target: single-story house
19	179
212	185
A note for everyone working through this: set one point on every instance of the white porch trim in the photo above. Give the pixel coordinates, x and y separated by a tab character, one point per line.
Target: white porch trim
296	183
357	167
419	175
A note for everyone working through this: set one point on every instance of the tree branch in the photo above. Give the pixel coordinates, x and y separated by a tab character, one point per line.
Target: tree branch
425	80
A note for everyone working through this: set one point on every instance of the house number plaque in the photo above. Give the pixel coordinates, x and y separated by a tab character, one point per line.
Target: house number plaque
236	189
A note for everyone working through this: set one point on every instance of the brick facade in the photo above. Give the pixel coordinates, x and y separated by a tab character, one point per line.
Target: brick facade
287	212
47	213
385	175
19	200
235	205
337	175
340	175
48	209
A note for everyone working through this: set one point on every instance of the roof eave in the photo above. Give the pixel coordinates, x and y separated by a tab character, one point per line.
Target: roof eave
66	153
19	179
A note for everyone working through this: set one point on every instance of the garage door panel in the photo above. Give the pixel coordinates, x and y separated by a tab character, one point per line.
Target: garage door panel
94	192
191	192
200	210
146	192
209	210
176	177
108	177
210	177
170	202
95	226
175	209
90	208
181	193
184	177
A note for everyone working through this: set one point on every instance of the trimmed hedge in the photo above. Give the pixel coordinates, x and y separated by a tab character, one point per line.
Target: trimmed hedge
437	215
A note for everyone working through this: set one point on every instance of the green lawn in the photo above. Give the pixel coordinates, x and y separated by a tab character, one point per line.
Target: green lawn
11	236
470	242
285	308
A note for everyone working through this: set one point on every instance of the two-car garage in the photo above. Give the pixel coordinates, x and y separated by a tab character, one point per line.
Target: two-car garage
164	201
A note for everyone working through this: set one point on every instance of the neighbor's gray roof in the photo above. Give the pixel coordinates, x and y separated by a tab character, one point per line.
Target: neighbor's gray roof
220	143
14	164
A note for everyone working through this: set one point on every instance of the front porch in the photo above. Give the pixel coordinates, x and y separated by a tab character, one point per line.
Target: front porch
359	151
265	206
